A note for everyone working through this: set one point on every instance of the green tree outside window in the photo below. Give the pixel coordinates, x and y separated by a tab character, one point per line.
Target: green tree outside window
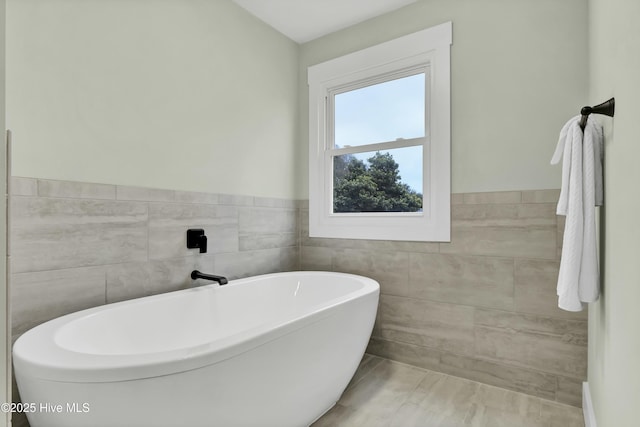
374	186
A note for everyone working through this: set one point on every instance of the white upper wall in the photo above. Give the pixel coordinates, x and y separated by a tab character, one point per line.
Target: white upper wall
5	326
614	341
200	95
189	95
305	20
519	72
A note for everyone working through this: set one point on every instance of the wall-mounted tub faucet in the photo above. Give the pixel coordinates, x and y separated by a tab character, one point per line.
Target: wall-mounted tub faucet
195	274
197	239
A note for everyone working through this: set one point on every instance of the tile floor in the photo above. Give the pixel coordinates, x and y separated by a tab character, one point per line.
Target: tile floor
392	394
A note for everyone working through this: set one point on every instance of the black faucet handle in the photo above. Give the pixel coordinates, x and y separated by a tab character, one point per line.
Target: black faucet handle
203	244
197	239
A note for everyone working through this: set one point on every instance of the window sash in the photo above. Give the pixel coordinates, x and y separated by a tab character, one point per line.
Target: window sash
372	81
331	151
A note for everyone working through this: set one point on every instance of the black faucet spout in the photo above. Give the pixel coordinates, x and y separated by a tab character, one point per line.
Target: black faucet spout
195	274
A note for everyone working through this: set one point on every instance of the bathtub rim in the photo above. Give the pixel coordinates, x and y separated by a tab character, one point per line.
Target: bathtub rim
58	364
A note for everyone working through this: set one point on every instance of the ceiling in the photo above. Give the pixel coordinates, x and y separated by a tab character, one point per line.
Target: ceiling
305	20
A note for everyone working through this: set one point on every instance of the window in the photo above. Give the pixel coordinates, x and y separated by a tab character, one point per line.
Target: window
376	143
379	141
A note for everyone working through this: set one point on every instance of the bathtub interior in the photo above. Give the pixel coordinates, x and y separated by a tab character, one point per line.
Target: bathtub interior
198	316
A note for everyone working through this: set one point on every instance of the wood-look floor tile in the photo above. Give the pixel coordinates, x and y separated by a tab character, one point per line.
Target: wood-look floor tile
367	364
439	400
558	415
481	416
397	395
379	395
337	416
496	407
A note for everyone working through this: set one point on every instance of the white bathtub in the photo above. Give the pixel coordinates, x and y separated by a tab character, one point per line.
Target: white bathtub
268	351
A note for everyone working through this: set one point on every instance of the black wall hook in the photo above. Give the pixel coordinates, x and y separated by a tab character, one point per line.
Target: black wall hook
607	108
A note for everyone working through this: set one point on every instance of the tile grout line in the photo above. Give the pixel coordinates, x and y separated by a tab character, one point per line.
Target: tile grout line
514	312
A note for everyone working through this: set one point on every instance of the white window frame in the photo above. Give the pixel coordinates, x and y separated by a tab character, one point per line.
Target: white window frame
428	49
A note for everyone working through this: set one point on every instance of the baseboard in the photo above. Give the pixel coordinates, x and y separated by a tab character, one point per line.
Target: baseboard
587	407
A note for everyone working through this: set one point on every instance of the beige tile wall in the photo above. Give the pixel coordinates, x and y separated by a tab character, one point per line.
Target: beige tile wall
75	245
483	306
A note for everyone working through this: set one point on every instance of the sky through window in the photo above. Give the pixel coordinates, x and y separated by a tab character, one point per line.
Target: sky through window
385	112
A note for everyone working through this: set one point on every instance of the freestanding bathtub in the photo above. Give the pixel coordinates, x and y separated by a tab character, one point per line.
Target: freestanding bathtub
275	350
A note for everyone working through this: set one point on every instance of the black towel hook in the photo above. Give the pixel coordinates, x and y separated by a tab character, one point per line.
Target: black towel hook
607	108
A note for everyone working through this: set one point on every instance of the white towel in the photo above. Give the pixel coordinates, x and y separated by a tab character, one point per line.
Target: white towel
578	280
